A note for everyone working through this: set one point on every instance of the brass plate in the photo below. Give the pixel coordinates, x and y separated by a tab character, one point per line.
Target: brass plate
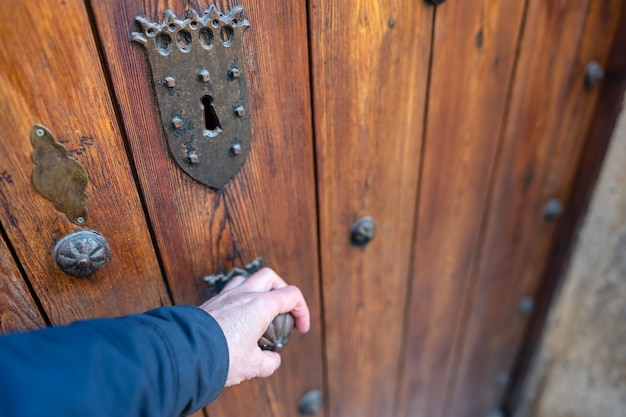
200	84
58	177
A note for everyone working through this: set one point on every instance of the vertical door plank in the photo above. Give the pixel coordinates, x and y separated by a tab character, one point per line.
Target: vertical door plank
473	58
268	209
606	113
370	69
18	310
50	73
548	120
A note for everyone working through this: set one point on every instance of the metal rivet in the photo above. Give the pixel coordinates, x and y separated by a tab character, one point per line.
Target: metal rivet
204	76
310	403
193	158
553	209
594	73
170	82
177	122
236	149
83	262
234	72
40	132
363	231
502	379
80	220
240	111
526	306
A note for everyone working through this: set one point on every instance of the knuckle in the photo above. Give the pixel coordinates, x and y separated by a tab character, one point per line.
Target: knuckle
295	291
266	271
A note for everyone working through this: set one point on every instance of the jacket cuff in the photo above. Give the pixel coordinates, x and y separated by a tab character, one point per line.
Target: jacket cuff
200	354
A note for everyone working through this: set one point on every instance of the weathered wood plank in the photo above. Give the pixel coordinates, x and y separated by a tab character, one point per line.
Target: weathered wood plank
370	69
473	57
549	116
606	113
18	310
267	210
50	73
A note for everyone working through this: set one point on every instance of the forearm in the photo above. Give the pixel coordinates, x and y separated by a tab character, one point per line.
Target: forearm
166	362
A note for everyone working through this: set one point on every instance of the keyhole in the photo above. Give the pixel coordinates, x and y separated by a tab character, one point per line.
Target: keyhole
211	122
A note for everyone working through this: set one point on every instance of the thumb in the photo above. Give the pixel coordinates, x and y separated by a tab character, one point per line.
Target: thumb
270	363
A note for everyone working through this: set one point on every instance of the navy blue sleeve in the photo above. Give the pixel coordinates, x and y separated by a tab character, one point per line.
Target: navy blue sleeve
169	362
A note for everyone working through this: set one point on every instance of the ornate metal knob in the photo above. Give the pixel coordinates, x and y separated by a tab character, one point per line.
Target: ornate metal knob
81	253
278	333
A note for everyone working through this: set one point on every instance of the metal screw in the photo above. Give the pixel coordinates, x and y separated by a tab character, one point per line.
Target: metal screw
177	122
80	220
553	209
40	132
240	111
363	231
593	73
170	82
526	306
234	72
193	158
204	76
236	149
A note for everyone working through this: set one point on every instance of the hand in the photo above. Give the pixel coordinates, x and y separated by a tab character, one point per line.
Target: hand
244	310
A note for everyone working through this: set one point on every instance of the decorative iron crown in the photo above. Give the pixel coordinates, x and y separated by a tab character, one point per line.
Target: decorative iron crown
211	28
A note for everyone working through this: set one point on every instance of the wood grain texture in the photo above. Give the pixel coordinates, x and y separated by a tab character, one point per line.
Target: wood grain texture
268	209
606	112
50	73
370	69
548	120
18	310
473	56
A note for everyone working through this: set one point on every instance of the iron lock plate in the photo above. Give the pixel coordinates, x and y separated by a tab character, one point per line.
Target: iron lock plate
200	85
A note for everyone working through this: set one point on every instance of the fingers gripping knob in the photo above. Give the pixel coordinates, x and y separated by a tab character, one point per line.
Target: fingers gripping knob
280	329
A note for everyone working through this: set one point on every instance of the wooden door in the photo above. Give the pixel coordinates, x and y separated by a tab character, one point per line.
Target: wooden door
52	75
267	210
166	231
458	129
452	127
